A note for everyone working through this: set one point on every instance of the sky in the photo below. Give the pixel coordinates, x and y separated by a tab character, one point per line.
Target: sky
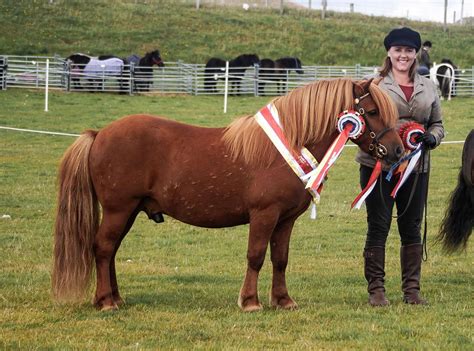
421	10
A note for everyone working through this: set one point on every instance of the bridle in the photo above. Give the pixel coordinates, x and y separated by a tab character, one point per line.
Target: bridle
376	147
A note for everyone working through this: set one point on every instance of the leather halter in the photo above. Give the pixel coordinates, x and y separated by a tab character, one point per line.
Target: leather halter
375	146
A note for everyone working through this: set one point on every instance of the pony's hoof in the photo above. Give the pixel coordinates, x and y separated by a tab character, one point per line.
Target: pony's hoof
113	307
119	301
248	306
286	303
252	308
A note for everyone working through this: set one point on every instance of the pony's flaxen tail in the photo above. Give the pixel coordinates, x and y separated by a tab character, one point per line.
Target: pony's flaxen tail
77	221
456	227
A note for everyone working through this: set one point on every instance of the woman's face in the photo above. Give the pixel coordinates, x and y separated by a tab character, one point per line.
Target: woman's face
402	57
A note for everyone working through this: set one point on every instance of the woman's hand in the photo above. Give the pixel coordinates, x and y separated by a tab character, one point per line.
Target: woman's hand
427	139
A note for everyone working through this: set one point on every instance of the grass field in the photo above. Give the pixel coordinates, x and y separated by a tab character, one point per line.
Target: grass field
181	283
125	27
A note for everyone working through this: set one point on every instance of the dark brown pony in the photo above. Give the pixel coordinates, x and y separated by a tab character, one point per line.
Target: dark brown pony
456	227
208	177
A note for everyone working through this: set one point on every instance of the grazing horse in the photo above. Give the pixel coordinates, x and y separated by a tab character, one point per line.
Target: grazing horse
215	69
444	76
143	76
456	227
278	71
207	177
96	69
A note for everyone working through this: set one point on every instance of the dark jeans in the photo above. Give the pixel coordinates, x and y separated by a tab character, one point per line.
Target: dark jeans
379	206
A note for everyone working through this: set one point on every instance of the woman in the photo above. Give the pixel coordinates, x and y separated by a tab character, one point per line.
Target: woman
425	62
417	100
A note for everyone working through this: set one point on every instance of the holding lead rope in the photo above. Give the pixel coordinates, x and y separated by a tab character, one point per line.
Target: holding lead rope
410	133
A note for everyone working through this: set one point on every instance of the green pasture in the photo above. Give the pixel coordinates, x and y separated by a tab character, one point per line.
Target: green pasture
125	27
181	282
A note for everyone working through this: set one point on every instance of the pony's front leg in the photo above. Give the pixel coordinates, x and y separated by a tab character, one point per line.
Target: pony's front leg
261	227
279	247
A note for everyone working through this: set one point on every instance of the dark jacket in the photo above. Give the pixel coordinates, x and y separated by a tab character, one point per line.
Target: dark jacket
425	59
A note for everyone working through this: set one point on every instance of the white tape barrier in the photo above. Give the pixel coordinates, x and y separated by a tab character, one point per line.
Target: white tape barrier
39	131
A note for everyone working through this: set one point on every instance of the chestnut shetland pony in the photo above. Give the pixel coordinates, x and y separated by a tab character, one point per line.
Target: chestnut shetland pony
208	177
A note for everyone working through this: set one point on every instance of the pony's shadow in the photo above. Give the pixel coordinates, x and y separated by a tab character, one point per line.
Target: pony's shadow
183	292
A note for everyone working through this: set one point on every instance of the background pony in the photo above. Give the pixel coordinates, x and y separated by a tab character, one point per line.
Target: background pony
207	177
95	70
215	69
456	227
444	76
278	71
143	72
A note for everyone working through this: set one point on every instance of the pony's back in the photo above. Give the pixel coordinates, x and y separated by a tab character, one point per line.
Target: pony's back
215	62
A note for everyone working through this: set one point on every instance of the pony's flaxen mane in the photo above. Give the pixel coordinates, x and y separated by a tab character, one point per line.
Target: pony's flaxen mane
307	114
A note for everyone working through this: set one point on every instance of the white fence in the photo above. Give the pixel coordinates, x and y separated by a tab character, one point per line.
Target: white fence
180	78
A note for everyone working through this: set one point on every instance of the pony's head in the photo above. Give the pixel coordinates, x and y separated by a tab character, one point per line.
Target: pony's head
298	68
155	58
380	138
79	59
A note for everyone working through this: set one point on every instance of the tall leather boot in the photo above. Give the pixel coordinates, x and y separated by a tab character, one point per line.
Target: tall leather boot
374	271
410	259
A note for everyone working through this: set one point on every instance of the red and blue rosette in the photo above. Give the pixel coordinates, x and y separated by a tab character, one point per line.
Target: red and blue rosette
408	132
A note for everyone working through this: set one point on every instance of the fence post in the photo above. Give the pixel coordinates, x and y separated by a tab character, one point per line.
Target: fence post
68	77
46	87
131	69
195	80
256	74
226	85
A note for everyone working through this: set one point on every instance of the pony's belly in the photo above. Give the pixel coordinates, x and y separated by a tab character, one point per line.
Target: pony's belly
212	219
204	206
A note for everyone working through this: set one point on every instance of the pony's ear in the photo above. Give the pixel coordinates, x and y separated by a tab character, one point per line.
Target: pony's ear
362	86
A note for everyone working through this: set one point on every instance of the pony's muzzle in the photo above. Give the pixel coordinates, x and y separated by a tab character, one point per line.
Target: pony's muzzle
391	157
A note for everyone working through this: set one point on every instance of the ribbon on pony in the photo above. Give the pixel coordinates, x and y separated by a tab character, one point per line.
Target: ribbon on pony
301	162
359	200
350	125
408	133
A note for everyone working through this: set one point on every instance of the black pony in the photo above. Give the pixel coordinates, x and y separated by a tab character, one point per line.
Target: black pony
277	71
95	70
456	227
143	71
446	78
215	69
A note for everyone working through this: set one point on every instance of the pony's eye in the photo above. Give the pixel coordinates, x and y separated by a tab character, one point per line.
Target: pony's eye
372	112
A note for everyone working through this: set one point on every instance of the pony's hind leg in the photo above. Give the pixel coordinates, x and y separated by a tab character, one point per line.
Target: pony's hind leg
261	228
279	246
113	277
111	232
